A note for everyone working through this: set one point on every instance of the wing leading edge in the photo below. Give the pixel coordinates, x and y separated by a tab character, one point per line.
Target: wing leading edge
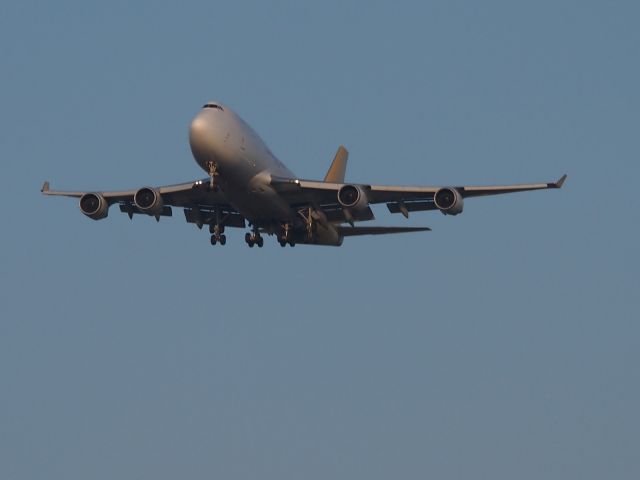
398	197
202	206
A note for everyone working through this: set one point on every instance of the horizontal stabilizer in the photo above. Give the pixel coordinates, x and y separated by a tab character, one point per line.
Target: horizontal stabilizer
353	231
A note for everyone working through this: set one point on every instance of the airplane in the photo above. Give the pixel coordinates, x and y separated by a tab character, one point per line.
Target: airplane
247	185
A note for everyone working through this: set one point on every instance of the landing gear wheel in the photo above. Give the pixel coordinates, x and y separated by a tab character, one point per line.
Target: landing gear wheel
259	242
223	239
283	243
292	243
213	240
250	239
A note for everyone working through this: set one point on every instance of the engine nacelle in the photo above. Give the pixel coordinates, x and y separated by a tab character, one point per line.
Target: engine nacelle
94	206
352	196
149	201
449	201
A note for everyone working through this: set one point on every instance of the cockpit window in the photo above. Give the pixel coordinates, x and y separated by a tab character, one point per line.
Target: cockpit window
213	105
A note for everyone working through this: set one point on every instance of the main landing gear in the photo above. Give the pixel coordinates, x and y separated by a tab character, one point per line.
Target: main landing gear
309	223
217	234
217	230
285	236
254	238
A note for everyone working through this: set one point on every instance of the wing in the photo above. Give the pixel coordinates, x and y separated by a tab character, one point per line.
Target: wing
201	205
399	199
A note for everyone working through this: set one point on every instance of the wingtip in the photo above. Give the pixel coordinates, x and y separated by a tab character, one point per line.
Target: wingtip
45	187
561	181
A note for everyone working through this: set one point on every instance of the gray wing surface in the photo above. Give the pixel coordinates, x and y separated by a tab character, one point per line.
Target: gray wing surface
200	204
397	197
179	195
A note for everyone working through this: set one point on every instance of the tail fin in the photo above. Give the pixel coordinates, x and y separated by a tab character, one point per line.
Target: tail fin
338	166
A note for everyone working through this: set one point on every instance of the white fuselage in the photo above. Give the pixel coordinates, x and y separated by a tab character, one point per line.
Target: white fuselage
244	163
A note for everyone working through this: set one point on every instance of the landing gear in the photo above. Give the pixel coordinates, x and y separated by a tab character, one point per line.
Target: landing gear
213	175
216	229
254	238
222	239
217	234
286	237
309	224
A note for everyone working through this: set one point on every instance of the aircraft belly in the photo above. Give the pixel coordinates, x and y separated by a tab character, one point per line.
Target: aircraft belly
261	207
258	203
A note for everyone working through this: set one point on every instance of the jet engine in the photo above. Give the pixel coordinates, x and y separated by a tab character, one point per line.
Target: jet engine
352	196
449	201
94	206
149	201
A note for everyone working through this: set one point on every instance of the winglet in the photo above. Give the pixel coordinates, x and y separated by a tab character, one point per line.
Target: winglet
560	182
45	187
338	167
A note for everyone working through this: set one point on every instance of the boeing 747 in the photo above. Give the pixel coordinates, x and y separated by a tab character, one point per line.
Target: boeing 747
247	186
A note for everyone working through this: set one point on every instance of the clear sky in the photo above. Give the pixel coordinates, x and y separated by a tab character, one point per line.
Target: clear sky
503	344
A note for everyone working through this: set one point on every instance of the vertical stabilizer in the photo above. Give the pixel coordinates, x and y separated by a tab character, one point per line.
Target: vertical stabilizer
338	166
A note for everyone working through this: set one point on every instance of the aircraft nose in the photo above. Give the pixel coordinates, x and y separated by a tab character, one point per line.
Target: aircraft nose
202	139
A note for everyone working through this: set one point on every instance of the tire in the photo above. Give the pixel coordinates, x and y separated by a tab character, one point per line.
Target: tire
223	239
213	240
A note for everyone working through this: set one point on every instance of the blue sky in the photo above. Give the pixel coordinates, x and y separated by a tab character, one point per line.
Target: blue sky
503	344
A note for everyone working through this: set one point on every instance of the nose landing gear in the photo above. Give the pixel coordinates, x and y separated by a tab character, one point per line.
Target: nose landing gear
213	175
